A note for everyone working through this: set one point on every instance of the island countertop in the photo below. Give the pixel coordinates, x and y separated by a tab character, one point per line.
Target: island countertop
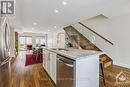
74	54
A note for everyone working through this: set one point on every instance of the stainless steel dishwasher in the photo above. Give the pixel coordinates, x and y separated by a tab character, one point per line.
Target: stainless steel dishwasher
65	72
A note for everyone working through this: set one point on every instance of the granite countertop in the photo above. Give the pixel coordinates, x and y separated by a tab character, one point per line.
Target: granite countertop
74	53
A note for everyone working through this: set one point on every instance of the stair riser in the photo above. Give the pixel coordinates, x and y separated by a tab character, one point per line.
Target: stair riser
107	64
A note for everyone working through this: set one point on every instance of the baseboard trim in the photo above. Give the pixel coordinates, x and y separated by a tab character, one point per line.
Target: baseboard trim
123	65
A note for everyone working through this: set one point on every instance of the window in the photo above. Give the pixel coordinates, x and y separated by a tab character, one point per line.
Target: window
37	40
22	40
25	40
28	40
40	41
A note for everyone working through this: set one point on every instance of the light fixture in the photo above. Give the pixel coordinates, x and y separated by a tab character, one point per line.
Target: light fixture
48	30
56	11
55	27
34	23
32	28
64	3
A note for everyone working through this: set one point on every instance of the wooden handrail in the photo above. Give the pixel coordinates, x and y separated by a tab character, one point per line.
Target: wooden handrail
96	33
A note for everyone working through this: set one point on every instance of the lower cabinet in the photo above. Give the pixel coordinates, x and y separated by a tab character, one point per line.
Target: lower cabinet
83	72
53	66
49	63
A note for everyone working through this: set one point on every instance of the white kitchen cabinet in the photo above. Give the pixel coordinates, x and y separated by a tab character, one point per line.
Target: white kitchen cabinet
49	63
53	66
43	56
46	59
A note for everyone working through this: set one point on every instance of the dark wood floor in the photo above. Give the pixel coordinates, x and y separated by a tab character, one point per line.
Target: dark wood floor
19	75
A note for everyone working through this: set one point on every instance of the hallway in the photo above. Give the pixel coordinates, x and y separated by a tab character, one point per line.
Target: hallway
25	76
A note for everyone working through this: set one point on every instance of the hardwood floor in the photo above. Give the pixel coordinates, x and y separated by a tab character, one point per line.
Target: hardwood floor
110	77
18	75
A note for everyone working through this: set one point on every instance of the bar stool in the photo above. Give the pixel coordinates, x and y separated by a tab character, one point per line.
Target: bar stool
102	73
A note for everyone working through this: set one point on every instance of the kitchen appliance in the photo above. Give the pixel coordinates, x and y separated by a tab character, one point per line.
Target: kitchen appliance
4	41
65	72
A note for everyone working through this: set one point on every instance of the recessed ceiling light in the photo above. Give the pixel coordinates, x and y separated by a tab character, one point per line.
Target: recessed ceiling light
34	23
56	11
32	28
64	3
48	30
55	26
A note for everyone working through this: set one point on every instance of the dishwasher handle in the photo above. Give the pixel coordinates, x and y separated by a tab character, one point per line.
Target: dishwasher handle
67	64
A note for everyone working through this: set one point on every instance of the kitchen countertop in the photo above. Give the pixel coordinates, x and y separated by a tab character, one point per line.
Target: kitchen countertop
74	54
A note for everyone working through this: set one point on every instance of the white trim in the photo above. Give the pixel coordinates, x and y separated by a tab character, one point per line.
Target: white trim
121	64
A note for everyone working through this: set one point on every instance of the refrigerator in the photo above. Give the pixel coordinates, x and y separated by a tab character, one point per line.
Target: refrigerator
4	41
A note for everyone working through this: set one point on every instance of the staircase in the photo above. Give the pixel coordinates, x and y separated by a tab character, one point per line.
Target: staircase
106	60
84	43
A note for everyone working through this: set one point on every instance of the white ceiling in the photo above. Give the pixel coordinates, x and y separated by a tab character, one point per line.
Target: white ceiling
42	12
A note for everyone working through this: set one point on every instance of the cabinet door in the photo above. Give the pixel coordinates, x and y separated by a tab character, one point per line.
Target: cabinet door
43	56
53	66
48	62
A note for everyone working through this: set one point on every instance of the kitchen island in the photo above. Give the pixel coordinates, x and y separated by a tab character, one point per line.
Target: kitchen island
72	67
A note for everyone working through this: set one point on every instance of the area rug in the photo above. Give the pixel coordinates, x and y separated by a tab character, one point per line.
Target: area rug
33	58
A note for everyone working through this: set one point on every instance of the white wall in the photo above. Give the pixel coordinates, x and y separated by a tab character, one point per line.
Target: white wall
117	30
54	41
120	33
